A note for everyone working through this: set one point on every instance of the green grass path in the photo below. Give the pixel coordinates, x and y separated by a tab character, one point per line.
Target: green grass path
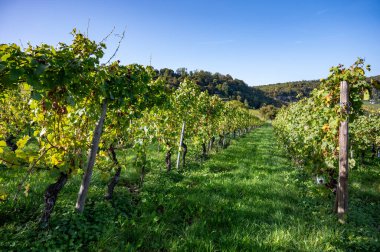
245	198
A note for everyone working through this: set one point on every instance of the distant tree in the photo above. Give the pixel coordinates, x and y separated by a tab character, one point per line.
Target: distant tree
182	71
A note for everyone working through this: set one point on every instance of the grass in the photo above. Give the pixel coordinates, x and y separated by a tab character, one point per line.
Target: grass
371	107
248	197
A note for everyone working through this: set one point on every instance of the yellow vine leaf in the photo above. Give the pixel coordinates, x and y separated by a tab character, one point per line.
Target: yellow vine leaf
31	159
26	87
102	154
27	189
54	160
326	127
3	197
22	142
50	137
33	104
20	153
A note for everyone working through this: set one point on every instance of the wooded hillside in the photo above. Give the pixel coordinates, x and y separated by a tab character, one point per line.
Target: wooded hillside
229	88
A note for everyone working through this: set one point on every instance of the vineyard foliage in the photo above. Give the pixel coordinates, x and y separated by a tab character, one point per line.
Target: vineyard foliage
309	129
365	134
53	98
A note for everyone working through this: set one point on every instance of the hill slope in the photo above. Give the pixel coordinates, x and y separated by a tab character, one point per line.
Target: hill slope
223	85
230	88
288	92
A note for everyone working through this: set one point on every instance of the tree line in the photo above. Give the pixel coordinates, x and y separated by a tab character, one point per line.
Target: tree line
225	86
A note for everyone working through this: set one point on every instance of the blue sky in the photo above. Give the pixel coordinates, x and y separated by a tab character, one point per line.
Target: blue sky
260	42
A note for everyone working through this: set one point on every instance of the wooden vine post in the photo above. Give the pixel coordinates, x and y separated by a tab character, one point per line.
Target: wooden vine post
180	144
342	190
91	160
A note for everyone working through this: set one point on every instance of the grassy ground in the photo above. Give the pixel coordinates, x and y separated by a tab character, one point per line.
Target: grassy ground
371	107
245	198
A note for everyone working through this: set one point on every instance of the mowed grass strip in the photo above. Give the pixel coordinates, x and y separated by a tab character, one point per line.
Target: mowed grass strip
245	198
